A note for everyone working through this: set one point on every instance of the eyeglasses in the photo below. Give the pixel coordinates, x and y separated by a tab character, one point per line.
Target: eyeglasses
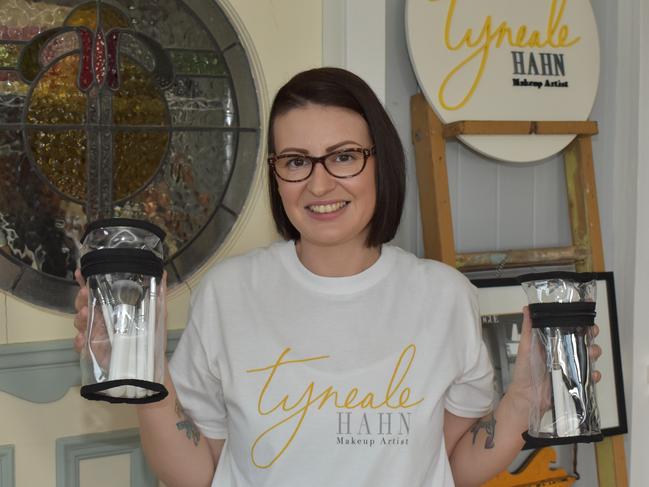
342	164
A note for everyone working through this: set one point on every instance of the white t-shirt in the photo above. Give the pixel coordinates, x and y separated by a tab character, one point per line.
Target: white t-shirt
331	381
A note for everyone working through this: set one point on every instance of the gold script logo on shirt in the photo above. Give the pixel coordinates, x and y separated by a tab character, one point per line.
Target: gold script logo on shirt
292	411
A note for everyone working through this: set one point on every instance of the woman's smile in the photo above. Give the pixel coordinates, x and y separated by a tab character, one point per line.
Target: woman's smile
327	208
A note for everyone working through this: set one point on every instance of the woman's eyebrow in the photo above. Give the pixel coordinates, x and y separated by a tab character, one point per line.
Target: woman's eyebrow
293	150
340	144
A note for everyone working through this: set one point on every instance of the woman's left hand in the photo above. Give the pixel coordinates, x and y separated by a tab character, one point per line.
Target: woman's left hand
521	388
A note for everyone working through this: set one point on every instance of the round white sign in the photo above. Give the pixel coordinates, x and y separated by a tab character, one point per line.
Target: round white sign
506	60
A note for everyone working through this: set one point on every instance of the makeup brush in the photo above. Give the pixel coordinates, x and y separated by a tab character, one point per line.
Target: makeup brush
128	295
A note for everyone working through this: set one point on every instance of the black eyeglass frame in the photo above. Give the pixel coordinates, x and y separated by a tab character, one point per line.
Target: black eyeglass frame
272	159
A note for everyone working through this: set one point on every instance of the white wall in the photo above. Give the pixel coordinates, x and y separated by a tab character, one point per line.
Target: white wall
499	206
635	17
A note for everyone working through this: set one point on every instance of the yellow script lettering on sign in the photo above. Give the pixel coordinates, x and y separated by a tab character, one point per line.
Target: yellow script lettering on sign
395	396
479	46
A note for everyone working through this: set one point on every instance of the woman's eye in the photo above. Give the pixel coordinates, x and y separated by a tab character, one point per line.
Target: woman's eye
345	157
295	162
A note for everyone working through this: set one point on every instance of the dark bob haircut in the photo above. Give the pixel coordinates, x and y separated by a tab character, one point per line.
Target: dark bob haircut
336	87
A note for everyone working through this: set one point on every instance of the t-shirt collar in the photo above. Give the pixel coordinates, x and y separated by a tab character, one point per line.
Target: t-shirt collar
335	285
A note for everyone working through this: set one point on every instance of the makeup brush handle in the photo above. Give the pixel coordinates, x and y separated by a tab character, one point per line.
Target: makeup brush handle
131	361
119	363
565	412
141	359
108	320
151	331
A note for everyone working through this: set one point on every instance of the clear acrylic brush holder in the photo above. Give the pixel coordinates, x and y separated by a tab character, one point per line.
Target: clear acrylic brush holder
564	406
123	359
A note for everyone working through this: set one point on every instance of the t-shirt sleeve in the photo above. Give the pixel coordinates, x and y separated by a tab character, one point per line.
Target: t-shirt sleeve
471	394
194	371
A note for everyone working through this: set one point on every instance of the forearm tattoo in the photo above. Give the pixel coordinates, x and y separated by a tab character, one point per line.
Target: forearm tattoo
187	425
489	425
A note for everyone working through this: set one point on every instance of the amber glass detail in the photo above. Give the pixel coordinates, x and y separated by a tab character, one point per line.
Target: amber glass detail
137	156
61	157
138	101
55	99
86	16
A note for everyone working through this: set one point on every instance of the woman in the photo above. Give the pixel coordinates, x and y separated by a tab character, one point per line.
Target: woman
331	358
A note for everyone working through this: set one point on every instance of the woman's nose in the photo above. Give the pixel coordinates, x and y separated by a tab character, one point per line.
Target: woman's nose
320	181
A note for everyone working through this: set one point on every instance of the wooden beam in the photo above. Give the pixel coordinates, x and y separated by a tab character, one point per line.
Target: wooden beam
473	261
611	462
582	203
519	127
487	127
432	180
587	127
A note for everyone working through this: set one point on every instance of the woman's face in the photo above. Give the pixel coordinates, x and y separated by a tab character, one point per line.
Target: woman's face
326	210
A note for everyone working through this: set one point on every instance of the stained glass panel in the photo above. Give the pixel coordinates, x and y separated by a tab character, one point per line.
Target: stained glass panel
60	45
197	63
138	101
215	230
9	55
244	166
169	22
206	102
12	97
247	106
184	195
37	224
55	99
134	49
22	20
137	156
60	155
157	120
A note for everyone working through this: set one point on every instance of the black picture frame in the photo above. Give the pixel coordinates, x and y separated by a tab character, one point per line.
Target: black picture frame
501	304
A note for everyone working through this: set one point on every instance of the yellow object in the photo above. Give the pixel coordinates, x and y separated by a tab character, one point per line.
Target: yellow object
535	472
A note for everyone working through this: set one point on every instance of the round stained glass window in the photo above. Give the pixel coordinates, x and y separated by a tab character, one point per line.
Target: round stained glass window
126	108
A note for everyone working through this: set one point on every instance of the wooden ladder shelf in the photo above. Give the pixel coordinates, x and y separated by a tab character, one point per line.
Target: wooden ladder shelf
586	253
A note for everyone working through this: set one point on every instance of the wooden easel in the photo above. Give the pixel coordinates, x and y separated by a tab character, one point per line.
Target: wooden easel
429	136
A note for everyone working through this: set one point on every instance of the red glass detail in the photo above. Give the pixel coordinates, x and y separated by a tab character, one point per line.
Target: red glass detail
85	75
100	58
112	69
12	33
